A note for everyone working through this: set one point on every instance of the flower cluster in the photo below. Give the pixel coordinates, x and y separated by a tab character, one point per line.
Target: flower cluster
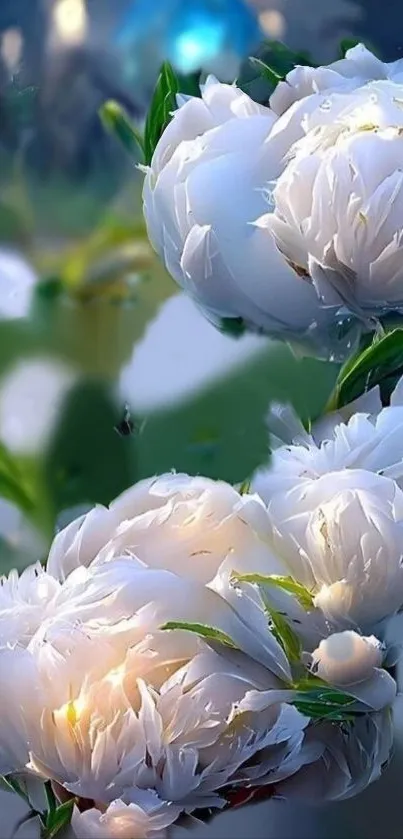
279	215
194	646
191	646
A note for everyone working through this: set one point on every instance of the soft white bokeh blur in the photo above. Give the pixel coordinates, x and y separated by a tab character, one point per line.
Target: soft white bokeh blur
180	353
31	398
17	285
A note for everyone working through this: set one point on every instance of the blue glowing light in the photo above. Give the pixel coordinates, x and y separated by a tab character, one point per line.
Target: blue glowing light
191	34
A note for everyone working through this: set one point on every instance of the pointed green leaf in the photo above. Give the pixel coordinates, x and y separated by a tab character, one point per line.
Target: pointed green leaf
272	63
302	594
117	122
162	106
50	798
207	632
324	703
266	71
283	633
58	819
379	362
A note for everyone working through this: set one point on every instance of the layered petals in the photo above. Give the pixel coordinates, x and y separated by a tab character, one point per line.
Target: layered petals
208	183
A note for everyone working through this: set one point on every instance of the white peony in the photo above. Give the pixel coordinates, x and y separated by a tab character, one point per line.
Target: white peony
336	506
341	535
361	435
228	174
199	529
107	702
337	217
206	187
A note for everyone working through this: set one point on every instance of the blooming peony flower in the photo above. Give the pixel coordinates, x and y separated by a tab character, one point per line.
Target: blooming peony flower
199	529
341	535
335	502
206	187
322	126
335	218
107	701
361	435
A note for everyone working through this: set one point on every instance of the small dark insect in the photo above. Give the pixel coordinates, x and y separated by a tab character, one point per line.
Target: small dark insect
126	425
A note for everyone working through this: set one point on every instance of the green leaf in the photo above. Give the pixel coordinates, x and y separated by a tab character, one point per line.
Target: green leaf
272	62
58	819
266	70
302	594
208	632
278	623
347	44
324	703
117	122
283	633
162	106
50	798
381	360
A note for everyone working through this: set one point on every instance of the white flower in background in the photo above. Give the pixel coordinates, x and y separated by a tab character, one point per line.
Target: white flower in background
341	535
351	757
358	67
361	435
110	702
354	663
32	395
206	187
146	817
337	218
336	505
17	285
